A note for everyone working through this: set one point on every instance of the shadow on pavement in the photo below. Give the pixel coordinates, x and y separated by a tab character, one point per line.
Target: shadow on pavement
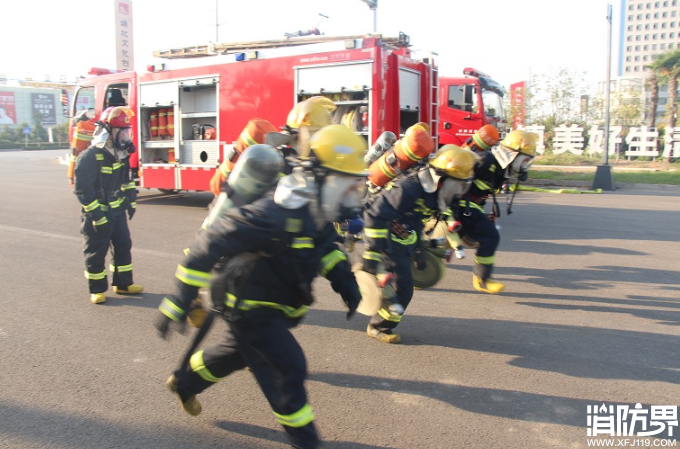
487	401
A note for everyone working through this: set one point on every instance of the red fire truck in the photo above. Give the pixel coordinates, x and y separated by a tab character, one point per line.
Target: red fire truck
466	104
207	94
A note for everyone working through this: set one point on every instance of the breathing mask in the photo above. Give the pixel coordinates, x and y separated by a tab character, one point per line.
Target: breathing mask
520	166
123	140
450	190
341	197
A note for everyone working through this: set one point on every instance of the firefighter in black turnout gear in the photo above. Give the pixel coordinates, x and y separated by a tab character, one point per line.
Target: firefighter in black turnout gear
106	192
270	250
511	158
394	222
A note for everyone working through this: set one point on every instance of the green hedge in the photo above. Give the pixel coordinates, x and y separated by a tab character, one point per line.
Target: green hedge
5	145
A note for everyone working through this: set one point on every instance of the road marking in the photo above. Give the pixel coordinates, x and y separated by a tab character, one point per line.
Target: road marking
51	235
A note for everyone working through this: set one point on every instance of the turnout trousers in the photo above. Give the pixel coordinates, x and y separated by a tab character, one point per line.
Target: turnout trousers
397	261
260	339
479	230
95	248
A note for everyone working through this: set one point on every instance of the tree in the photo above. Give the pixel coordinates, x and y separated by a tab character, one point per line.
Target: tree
556	98
653	85
38	133
665	68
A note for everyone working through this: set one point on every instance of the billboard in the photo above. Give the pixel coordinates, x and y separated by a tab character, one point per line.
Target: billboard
43	106
518	104
8	111
125	54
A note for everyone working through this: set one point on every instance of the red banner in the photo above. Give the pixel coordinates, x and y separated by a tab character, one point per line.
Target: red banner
518	104
8	112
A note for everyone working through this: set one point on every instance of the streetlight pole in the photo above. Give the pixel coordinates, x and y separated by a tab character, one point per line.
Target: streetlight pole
373	5
608	86
604	178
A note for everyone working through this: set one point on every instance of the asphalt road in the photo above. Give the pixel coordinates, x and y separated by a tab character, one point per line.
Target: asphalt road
591	315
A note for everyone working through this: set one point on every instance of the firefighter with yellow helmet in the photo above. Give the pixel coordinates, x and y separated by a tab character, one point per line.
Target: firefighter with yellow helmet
394	223
303	120
106	192
271	251
510	159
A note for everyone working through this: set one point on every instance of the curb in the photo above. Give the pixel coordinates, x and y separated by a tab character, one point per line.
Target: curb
587	185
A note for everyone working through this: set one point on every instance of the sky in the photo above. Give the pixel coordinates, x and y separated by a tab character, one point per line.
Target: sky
509	40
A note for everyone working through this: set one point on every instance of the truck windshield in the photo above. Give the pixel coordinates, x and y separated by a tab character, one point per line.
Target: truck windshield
493	104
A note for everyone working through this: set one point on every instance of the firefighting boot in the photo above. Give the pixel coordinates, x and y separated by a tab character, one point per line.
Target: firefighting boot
487	285
191	404
129	290
386	337
97	298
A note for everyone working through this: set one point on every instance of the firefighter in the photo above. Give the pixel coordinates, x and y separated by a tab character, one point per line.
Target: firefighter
106	193
271	250
254	133
394	222
511	158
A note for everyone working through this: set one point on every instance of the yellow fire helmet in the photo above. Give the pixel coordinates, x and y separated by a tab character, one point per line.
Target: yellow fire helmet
521	141
455	162
314	112
339	149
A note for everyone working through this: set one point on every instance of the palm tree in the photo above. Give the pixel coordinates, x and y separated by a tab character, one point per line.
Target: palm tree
653	84
673	64
665	67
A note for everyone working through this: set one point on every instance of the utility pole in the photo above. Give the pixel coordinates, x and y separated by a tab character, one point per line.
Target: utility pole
604	178
373	5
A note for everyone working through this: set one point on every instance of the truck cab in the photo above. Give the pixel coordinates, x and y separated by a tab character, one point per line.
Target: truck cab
466	104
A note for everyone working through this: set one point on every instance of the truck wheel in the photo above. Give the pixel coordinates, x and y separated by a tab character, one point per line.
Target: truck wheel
168	191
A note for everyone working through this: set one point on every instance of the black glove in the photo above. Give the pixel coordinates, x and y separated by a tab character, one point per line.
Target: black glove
370	266
523	176
131	212
420	259
163	324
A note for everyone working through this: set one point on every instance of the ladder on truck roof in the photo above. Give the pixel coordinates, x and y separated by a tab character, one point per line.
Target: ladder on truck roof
215	49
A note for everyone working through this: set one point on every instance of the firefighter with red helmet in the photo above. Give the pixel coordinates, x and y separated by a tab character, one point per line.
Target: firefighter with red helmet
394	223
106	193
270	251
511	158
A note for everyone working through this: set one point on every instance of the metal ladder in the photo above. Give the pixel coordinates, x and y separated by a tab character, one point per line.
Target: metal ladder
434	103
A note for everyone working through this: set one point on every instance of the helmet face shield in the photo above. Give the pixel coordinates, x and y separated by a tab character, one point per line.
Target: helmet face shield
504	155
342	196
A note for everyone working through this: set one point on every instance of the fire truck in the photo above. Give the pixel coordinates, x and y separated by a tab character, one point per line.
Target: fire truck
466	104
192	105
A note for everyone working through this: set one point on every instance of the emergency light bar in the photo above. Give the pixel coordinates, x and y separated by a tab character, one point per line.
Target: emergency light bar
155	67
469	71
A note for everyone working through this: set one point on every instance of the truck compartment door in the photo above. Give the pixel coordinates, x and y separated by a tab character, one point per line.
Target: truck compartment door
158	94
334	78
409	89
